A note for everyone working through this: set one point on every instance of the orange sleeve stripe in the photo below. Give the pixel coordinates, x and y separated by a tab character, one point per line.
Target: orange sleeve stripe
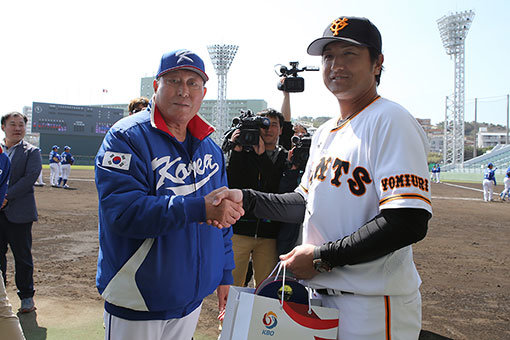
404	196
387	316
304	189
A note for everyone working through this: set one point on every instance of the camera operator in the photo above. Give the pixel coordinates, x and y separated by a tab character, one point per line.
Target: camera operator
259	167
300	130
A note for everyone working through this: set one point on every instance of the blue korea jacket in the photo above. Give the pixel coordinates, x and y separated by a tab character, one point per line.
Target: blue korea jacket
156	261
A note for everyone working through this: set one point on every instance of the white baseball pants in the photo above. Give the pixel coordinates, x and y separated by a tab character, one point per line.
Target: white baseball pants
40	179
488	189
66	170
364	317
173	329
506	192
54	173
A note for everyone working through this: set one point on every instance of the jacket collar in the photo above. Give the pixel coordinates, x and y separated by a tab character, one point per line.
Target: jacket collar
4	146
197	126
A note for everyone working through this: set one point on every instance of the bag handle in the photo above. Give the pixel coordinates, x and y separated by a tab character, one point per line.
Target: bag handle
279	266
309	290
283	284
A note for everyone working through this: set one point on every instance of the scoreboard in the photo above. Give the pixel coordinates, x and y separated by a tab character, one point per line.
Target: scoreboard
60	119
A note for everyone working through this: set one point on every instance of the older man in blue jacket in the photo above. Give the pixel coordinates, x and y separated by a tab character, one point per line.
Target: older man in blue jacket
156	174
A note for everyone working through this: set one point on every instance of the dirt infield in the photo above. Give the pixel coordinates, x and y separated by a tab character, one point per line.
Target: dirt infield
463	262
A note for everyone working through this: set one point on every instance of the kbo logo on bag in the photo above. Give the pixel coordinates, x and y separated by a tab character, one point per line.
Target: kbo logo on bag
270	320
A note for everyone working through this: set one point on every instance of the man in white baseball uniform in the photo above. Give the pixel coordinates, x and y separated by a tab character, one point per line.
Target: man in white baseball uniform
366	192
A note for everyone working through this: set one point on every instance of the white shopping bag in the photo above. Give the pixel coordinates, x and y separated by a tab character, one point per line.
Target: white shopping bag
231	310
251	317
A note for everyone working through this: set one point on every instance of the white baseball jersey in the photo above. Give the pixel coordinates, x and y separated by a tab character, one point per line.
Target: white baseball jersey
375	160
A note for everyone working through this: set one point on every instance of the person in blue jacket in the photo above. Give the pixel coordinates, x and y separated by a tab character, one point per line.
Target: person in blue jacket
437	177
156	175
54	160
489	182
66	160
9	323
5	169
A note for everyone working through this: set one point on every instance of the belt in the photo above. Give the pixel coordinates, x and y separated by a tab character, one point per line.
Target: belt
332	292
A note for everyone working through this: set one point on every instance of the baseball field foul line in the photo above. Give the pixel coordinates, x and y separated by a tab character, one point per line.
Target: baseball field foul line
463	187
82	179
455	198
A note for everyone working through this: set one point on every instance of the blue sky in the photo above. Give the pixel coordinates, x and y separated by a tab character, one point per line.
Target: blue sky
67	52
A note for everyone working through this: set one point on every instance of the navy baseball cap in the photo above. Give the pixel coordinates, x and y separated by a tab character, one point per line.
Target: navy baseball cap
55	147
67	147
182	60
358	31
293	290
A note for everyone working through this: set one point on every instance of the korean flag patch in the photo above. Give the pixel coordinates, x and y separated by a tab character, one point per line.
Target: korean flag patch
116	160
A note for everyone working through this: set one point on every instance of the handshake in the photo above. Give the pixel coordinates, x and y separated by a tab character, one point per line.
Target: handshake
223	207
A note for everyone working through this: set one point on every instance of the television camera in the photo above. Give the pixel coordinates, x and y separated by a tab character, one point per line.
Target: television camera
291	81
249	125
301	151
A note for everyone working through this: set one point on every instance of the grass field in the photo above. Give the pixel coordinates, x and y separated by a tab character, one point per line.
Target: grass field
75	167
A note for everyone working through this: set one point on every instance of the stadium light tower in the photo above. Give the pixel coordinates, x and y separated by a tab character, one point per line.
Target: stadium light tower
453	29
221	57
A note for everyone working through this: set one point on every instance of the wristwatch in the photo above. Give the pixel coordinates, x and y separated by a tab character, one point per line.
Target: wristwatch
319	264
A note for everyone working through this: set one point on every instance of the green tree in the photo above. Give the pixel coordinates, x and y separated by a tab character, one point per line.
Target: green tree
434	157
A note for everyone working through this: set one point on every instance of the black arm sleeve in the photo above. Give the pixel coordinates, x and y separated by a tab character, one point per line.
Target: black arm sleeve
289	207
391	230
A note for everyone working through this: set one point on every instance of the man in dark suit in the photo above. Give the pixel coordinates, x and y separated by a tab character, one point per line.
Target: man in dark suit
18	210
